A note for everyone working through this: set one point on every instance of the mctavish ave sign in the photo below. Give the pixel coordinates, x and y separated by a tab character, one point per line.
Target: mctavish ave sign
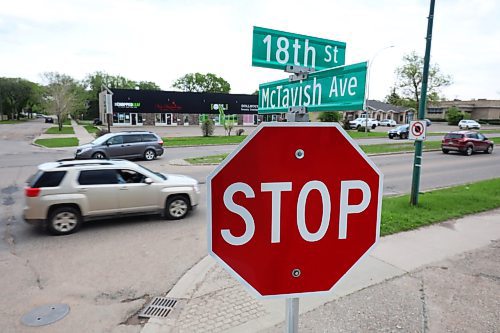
293	208
277	49
337	89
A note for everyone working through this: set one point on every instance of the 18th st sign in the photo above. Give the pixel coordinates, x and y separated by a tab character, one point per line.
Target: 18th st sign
293	208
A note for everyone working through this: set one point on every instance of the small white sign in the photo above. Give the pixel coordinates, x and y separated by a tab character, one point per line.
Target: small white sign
417	130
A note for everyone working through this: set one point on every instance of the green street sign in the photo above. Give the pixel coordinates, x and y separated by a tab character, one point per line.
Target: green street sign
277	49
335	89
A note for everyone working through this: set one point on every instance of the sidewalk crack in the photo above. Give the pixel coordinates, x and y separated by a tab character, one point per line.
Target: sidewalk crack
425	319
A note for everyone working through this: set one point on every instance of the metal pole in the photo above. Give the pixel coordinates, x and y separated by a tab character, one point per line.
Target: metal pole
108	120
292	315
417	161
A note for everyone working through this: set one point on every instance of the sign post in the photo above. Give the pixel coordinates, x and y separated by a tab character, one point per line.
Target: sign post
417	161
333	201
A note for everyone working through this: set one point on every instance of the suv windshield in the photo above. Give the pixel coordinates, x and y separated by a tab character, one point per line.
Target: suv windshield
101	139
151	171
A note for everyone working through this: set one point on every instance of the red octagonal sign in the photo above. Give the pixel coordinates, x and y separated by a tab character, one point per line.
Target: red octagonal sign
294	208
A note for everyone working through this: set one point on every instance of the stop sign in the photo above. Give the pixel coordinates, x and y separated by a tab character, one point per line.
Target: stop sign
293	208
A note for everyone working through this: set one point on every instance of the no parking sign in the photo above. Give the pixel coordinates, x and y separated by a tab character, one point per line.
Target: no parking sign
417	130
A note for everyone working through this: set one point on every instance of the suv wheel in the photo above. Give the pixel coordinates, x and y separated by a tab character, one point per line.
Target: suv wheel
149	155
64	220
469	150
177	207
490	149
99	155
445	151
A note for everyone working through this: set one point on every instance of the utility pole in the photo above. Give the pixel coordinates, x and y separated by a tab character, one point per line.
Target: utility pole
417	161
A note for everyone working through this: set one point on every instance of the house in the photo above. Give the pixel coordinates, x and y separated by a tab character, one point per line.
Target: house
380	111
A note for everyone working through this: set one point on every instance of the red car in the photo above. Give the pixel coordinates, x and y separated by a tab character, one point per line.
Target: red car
466	142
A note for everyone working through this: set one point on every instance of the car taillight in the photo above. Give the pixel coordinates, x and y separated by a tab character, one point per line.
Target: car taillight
32	192
160	142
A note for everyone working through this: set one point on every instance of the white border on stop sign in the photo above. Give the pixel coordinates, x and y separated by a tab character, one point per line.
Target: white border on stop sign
235	152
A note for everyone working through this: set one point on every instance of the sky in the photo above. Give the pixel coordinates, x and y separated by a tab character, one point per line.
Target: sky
162	40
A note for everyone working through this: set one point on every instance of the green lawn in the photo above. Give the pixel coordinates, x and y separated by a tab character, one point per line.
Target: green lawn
361	135
202	140
91	129
398	147
214	159
13	121
57	142
438	205
65	130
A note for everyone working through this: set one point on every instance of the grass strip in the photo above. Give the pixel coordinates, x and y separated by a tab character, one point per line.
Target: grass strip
64	130
213	159
438	205
398	147
13	121
57	142
91	129
202	140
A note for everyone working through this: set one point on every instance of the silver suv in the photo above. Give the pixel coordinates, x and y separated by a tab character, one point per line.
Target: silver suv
63	194
138	144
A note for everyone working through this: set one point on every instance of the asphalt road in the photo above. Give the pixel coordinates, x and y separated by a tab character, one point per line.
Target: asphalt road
108	270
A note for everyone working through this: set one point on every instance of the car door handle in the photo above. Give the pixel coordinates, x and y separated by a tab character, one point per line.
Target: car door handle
124	188
82	190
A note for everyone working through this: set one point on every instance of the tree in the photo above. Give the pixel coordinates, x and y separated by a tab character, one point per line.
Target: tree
454	115
329	116
93	86
61	95
207	127
197	82
16	95
409	79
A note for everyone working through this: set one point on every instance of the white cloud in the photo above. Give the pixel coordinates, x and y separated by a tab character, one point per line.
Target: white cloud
162	40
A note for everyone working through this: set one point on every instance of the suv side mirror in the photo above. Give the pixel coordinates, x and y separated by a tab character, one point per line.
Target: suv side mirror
148	181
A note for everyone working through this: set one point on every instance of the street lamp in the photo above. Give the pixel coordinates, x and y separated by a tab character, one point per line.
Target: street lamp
368	83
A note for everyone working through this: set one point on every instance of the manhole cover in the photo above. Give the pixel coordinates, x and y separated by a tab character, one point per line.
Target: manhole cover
45	314
159	307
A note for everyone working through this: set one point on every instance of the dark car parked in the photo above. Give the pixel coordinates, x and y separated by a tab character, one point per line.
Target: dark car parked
399	132
49	119
97	122
128	145
466	142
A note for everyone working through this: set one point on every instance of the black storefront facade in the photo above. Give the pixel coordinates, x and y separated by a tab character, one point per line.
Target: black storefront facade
172	108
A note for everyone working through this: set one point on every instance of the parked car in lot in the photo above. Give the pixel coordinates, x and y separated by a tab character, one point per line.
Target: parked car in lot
48	119
466	142
361	122
64	194
468	124
129	145
400	132
388	122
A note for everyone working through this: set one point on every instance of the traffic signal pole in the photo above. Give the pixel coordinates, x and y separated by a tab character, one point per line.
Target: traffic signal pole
417	161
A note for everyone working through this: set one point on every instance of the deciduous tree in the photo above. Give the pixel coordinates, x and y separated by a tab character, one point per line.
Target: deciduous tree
197	82
409	79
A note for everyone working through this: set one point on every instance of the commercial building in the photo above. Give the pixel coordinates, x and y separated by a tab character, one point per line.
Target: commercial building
479	109
128	107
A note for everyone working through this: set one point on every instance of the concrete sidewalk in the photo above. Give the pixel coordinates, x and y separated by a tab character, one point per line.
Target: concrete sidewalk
80	133
210	300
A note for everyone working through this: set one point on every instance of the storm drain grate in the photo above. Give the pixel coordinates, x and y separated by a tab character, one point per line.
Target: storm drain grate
160	307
